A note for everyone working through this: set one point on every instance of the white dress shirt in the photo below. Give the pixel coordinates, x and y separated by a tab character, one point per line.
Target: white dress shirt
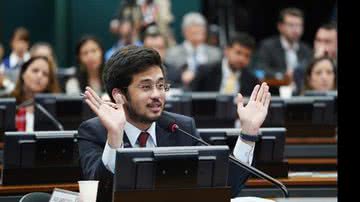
14	66
226	71
242	151
290	53
29	122
132	133
195	56
14	59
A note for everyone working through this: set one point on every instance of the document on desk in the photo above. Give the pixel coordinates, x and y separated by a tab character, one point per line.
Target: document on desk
313	174
250	199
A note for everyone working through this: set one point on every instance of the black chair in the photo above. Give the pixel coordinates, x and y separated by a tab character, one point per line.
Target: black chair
36	197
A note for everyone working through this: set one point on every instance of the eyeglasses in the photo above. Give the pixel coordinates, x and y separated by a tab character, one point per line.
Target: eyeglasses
293	25
148	87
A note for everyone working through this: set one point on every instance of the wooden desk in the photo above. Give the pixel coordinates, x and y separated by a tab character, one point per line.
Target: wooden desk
312	161
277	82
251	183
295	181
311	140
312	164
296	186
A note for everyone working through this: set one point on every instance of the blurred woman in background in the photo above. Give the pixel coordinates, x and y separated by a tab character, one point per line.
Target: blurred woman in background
44	49
37	75
320	75
90	58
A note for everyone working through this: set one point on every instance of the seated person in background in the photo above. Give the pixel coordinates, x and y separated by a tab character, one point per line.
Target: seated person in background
325	43
1	52
19	43
89	54
230	76
126	36
154	39
135	80
37	75
5	85
321	75
44	49
183	60
279	56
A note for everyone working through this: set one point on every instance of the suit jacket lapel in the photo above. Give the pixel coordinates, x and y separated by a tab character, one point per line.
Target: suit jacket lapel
164	138
217	77
281	55
126	141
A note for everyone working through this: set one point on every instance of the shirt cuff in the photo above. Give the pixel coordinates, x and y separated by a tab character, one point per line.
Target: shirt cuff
243	151
108	157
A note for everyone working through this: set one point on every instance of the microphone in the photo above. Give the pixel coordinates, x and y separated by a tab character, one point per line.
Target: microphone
48	115
170	124
43	110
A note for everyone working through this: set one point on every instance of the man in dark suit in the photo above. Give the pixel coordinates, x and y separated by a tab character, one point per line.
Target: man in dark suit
279	56
135	80
231	75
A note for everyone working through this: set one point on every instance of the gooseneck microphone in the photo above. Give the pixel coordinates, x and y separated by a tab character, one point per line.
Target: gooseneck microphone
43	110
170	124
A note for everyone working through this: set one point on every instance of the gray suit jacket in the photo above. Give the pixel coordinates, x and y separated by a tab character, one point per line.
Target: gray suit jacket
176	63
92	140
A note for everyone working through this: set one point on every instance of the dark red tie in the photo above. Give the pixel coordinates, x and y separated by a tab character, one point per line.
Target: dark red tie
143	138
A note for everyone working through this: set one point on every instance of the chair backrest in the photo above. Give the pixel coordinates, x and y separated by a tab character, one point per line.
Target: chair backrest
36	197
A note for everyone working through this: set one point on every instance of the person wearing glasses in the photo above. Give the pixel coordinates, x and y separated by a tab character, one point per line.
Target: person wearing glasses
135	80
279	56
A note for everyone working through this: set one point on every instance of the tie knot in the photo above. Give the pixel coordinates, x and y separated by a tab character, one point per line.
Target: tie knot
143	138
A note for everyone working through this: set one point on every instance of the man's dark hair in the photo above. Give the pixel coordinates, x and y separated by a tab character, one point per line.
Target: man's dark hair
329	26
126	62
290	11
243	39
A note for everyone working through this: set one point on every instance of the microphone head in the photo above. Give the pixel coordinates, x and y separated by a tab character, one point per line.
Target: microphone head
167	122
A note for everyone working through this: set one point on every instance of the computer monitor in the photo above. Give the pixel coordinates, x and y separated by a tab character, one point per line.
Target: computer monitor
332	93
269	150
7	115
310	116
180	104
70	111
171	168
270	147
276	113
40	157
212	109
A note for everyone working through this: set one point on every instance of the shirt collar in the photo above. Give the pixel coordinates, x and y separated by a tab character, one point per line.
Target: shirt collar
14	59
286	45
226	69
133	132
190	49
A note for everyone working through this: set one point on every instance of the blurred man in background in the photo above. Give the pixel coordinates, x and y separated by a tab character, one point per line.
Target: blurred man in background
183	60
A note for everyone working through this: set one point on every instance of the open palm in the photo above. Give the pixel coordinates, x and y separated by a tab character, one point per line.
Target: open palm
111	115
254	113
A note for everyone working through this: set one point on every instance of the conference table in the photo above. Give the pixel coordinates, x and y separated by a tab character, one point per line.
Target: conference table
304	186
298	185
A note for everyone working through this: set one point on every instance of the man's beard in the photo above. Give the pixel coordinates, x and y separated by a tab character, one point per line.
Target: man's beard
135	116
